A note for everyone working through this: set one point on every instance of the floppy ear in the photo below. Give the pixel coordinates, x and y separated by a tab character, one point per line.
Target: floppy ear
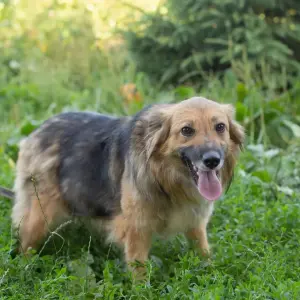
237	136
236	131
157	130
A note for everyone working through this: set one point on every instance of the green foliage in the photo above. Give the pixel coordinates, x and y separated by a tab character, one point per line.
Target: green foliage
183	40
254	232
254	235
271	118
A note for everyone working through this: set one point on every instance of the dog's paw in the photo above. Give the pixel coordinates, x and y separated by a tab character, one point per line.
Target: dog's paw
138	271
205	253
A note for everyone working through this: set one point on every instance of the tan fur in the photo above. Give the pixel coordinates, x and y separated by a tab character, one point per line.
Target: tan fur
199	235
38	205
143	212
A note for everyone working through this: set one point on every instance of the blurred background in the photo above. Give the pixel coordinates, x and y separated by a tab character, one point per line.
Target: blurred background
115	57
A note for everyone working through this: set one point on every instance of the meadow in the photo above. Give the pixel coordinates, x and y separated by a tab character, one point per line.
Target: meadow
54	58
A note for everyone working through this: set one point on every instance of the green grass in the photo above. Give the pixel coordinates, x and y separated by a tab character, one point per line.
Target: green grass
254	235
254	232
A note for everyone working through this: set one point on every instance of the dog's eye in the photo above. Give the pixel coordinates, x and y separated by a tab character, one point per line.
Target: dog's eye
220	127
187	131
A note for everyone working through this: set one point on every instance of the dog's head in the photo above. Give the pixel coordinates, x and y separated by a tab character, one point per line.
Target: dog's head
200	138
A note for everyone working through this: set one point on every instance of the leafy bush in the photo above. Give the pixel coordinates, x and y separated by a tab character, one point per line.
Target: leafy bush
52	60
184	39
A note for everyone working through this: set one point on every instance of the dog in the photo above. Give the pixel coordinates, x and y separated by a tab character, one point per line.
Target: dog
157	172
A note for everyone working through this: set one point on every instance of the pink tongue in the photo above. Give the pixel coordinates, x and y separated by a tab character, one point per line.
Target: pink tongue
209	185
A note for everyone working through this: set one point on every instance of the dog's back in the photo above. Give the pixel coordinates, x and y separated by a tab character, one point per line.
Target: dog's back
71	165
92	152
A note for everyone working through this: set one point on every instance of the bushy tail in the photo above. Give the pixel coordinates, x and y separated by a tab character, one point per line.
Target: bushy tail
7	193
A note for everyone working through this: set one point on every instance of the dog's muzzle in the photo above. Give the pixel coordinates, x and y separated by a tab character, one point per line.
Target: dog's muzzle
204	164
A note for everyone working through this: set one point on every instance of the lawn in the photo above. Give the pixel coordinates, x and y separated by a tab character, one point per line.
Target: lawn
254	234
255	230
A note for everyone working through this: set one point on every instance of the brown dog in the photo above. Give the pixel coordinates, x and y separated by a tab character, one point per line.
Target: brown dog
157	172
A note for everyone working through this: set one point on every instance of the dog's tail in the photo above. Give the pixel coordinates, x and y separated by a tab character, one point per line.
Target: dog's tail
7	193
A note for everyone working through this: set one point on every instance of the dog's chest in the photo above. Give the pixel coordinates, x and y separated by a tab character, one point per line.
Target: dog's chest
187	217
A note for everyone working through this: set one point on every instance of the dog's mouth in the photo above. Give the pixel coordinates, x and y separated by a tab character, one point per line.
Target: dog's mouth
208	182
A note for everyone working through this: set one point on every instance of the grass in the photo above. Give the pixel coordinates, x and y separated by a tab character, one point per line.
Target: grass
255	242
255	230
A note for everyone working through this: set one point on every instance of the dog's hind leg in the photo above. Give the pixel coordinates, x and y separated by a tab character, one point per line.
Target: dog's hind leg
38	205
38	208
38	222
36	215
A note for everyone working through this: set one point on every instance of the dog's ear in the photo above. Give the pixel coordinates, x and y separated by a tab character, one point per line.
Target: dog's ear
157	128
236	131
237	136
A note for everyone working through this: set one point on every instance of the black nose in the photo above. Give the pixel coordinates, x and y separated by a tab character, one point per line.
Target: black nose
211	159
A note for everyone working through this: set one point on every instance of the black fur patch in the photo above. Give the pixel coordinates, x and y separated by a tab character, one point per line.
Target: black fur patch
7	193
92	152
86	150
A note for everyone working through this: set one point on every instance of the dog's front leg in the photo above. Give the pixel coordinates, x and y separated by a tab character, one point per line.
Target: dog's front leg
199	236
137	246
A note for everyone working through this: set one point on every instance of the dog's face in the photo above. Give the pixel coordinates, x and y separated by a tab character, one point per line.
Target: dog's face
202	139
